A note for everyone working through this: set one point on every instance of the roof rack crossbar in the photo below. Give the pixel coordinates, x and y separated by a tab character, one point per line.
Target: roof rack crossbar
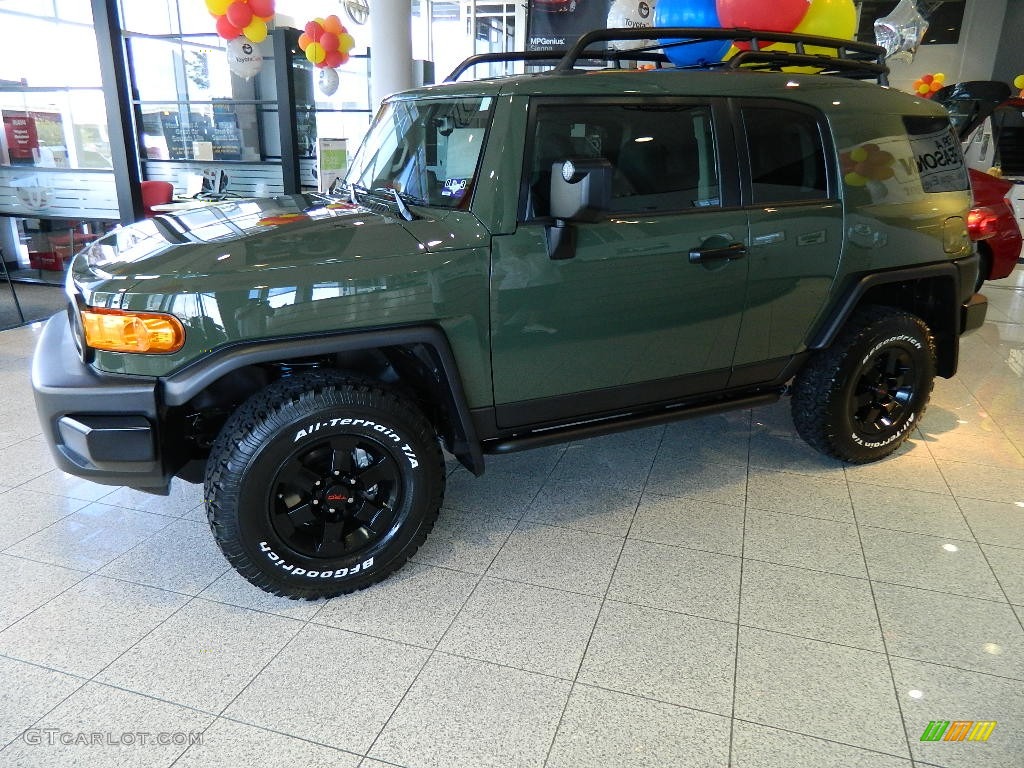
846	50
829	64
637	54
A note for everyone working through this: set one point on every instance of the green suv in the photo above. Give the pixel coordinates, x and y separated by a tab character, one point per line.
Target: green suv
513	262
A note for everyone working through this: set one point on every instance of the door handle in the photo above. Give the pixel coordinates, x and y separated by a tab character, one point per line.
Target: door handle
729	252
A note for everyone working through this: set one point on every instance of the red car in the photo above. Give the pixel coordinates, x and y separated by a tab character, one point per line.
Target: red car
992	224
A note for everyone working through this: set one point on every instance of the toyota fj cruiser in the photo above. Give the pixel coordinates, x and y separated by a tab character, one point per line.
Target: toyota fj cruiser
512	262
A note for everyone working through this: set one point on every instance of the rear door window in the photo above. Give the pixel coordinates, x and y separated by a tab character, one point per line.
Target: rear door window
786	155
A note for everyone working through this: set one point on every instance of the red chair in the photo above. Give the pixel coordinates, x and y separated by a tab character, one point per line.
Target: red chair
155	193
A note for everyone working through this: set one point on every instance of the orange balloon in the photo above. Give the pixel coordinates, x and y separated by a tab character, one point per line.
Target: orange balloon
936	85
304	41
333	25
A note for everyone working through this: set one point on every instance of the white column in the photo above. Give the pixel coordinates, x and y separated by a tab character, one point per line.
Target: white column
390	48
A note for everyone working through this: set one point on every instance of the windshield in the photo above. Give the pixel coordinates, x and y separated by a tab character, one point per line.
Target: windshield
427	149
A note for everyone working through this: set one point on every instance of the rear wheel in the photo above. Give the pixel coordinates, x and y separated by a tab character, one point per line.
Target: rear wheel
859	399
320	486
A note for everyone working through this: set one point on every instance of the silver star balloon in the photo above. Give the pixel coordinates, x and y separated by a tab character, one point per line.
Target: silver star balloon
901	31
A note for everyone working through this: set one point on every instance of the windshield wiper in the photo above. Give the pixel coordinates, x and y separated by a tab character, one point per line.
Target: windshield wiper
400	199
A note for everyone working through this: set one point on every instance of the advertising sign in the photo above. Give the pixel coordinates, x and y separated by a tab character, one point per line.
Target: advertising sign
331	162
554	24
22	137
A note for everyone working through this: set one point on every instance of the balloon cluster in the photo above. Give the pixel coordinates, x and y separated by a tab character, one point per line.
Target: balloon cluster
1018	82
326	44
828	18
926	85
237	18
865	163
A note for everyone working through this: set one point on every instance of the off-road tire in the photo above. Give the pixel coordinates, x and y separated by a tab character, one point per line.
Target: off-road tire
860	399
312	442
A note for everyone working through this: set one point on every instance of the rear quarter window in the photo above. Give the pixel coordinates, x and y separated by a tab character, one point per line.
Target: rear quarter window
936	153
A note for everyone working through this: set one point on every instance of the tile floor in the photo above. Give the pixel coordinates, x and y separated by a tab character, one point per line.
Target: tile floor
709	593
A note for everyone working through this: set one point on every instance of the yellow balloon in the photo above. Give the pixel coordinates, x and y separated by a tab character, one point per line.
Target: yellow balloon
315	53
218	7
1018	81
854	179
256	31
859	155
938	76
345	42
827	18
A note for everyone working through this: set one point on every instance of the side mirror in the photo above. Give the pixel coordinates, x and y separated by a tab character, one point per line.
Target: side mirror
580	190
580	187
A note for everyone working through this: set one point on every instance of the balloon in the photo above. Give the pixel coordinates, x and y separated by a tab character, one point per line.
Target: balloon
927	79
304	41
333	25
328	81
239	14
244	58
329	41
315	53
346	42
314	31
776	15
226	29
218	7
344	58
322	64
935	86
826	18
630	14
690	13
262	8
939	76
901	31
256	31
1018	81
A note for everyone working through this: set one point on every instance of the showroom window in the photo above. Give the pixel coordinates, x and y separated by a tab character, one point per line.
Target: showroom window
56	179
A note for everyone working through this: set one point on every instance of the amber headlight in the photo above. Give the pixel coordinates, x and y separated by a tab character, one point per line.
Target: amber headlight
117	331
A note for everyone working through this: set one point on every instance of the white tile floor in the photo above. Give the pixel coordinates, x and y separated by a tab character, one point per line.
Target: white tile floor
709	593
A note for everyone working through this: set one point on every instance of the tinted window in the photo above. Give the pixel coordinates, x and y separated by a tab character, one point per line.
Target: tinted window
663	154
937	156
787	160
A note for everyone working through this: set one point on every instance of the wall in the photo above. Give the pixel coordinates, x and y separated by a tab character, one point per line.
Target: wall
973	58
1010	58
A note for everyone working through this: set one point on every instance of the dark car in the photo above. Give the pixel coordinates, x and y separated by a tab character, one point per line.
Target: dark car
516	262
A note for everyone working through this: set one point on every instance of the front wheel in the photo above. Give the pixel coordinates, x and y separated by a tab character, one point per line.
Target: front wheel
319	486
859	399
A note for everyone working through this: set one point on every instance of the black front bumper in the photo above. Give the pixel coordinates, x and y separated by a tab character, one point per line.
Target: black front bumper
101	427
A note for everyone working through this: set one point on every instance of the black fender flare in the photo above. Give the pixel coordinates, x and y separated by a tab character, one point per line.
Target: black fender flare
959	274
184	384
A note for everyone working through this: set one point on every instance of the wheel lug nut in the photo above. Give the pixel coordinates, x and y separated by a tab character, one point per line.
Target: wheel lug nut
351	481
315	502
337	472
317	483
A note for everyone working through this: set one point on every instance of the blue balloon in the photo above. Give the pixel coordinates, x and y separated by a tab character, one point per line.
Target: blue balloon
690	13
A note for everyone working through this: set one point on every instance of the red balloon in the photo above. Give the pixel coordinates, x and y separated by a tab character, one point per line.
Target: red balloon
777	16
322	64
239	14
314	31
334	58
262	8
226	29
329	41
927	79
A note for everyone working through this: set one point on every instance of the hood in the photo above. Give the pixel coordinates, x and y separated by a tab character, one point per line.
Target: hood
243	235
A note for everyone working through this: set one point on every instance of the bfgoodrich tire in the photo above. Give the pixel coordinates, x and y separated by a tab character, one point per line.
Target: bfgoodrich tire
860	399
319	486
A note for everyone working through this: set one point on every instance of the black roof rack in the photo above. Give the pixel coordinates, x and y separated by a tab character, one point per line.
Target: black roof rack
851	58
553	57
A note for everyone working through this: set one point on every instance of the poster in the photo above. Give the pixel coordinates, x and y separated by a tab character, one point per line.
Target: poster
331	162
554	24
22	138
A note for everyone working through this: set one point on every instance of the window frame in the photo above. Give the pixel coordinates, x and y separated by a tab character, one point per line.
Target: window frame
832	192
722	133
